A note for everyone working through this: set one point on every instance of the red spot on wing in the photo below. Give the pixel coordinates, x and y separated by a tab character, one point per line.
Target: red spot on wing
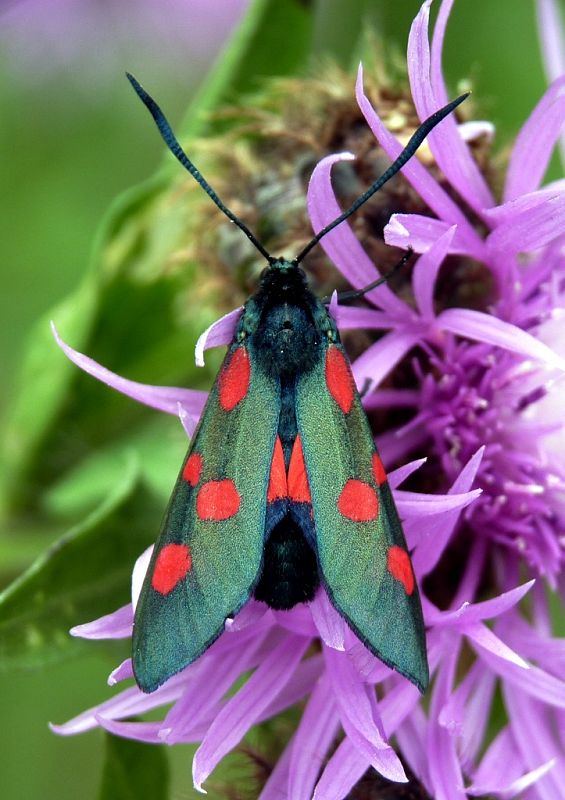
193	469
217	500
298	487
234	379
339	379
378	470
358	501
277	481
173	563
399	565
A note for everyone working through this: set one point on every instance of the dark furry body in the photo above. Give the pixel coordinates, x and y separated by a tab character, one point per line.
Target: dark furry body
288	324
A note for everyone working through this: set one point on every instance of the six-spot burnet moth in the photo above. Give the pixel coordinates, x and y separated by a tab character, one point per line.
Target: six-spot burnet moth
282	489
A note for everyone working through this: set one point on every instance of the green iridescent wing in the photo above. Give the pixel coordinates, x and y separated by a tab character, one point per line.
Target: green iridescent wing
362	554
209	551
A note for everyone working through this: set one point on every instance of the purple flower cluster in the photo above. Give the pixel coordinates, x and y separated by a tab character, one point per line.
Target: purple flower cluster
49	37
484	404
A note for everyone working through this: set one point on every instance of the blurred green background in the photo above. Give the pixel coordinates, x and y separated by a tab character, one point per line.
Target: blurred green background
73	137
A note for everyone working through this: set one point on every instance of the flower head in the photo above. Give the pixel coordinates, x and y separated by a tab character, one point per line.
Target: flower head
467	385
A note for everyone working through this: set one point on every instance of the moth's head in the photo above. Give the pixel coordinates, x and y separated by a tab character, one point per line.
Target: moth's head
284	277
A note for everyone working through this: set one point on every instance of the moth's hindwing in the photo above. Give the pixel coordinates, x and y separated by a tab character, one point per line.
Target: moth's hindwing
364	563
209	551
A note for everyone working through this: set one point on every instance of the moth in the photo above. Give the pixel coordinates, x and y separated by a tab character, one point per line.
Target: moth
282	491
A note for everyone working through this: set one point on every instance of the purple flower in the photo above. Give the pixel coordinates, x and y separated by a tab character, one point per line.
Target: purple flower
483	403
53	36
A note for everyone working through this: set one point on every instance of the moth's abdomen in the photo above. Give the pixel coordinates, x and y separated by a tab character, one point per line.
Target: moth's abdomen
290	573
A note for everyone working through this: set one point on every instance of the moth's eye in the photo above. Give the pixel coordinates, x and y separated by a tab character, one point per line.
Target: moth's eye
263	273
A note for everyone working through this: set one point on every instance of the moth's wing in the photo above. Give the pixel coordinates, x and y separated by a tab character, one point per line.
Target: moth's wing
209	552
362	554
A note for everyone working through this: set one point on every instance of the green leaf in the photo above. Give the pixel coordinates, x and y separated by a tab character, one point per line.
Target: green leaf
133	770
44	380
85	574
159	445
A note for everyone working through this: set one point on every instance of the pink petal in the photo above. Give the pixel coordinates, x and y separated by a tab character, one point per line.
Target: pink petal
370	669
484	638
251	613
467	711
128	703
312	740
399	398
435	58
219	333
163	398
535	142
531	229
333	306
399	475
532	729
534	682
549	652
444	767
376	362
434	538
188	421
397	704
121	673
359	716
425	184
140	731
297	620
343	770
236	639
473	129
277	782
341	245
301	684
450	151
486	609
202	696
507	213
350	317
242	711
397	445
420	232
412	738
500	770
331	626
491	330
426	271
550	22
415	504
117	625
138	575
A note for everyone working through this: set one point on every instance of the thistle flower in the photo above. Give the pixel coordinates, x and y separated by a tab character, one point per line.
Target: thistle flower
474	389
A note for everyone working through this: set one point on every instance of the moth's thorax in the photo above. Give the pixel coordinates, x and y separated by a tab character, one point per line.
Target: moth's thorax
284	325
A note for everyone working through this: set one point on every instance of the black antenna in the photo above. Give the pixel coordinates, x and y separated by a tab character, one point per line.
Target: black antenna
354	294
171	141
175	148
415	141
